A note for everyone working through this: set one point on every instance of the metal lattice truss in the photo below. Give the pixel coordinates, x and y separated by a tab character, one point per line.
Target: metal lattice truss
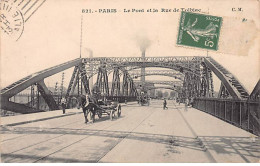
124	88
230	83
182	64
195	73
170	73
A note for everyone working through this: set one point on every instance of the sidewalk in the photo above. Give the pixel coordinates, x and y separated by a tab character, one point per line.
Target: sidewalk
41	116
34	117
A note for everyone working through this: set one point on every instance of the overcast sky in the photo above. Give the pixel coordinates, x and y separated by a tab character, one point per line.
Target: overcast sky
52	35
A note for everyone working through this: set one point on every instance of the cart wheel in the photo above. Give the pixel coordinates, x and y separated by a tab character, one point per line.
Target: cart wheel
111	115
119	111
99	114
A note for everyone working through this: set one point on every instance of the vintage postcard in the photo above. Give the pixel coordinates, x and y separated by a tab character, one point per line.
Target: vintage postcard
129	81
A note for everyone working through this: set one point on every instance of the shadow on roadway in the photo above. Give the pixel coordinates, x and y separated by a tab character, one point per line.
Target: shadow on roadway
242	146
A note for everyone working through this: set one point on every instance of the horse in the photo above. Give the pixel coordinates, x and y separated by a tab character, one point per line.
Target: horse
90	108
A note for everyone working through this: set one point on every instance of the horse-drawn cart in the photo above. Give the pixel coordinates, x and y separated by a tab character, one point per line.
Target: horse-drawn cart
112	109
144	99
99	107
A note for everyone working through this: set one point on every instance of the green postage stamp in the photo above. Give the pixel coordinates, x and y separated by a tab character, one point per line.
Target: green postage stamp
199	30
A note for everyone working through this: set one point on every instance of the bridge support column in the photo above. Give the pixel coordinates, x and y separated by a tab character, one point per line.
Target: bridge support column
132	90
42	88
102	81
186	88
115	91
195	86
72	85
84	78
125	84
207	88
223	92
143	69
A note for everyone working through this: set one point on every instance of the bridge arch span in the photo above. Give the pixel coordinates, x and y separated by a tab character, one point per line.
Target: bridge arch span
190	67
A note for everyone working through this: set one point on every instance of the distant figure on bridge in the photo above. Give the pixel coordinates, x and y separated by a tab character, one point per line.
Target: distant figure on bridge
165	104
177	100
187	103
63	104
191	101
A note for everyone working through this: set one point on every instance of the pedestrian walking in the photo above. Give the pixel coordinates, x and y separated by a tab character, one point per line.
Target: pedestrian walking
63	104
192	101
165	104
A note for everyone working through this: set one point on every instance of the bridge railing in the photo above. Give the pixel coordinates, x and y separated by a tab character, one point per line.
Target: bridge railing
241	113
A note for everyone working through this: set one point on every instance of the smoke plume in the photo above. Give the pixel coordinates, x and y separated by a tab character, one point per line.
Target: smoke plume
143	42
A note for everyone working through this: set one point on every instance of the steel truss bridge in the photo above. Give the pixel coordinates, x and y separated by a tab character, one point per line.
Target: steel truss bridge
233	103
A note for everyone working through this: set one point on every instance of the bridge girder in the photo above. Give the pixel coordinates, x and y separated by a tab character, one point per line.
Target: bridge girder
169	73
235	89
183	64
24	83
255	94
162	87
171	83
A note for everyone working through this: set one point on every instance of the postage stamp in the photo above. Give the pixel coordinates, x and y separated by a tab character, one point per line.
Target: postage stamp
199	30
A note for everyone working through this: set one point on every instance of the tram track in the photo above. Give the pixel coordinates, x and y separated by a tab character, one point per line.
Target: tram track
44	141
92	134
67	124
162	135
40	141
129	133
203	147
97	132
84	126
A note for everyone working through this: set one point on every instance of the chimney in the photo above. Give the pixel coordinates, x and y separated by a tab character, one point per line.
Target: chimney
91	69
143	68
